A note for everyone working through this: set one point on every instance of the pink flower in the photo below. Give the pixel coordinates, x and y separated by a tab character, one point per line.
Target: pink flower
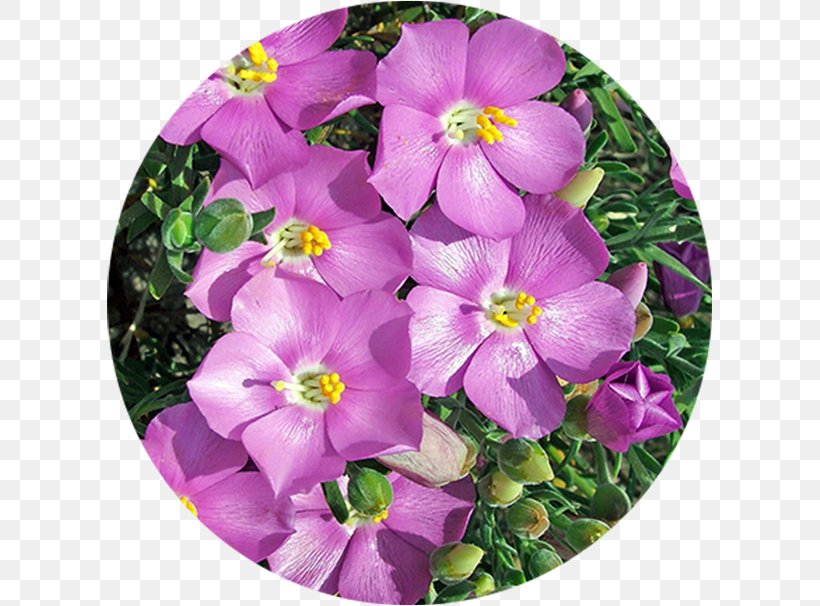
309	382
251	111
577	103
632	405
374	561
328	226
502	319
458	116
679	183
203	469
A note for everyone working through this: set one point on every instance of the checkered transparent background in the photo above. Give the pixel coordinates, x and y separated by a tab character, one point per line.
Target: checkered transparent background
84	517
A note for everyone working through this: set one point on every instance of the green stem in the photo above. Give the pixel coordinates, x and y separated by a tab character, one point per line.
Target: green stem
471	424
601	465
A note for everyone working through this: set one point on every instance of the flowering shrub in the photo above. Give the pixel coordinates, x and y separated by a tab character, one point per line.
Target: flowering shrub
381	304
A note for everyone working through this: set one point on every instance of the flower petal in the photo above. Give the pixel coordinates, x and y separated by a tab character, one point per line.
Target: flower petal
450	258
372	346
248	134
187	453
232	386
473	195
218	277
243	511
296	318
679	182
557	250
306	38
381	567
608	420
510	385
366	424
229	182
291	447
583	332
410	151
317	90
185	125
425	70
427	518
382	242
543	152
631	280
312	555
509	62
445	330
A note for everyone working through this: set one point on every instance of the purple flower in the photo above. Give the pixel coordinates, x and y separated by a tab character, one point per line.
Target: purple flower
309	382
458	115
252	110
202	468
374	561
681	296
502	319
328	226
631	280
679	182
577	103
632	405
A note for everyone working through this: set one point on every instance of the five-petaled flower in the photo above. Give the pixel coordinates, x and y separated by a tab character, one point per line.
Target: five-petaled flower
458	115
252	110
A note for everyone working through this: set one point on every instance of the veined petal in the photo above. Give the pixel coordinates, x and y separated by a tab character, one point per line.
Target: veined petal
426	69
291	447
233	385
188	454
543	152
243	511
229	182
382	241
510	385
445	330
509	62
311	92
410	151
557	250
581	333
248	134
306	38
631	280
185	125
450	258
473	195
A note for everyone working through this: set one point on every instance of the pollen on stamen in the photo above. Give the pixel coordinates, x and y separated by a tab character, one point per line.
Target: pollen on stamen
380	517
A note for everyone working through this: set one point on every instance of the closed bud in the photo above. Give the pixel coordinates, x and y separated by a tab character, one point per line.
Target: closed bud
583	532
484	584
455	562
369	492
582	187
498	490
178	230
528	519
524	461
223	225
575	421
643	321
578	105
542	561
610	502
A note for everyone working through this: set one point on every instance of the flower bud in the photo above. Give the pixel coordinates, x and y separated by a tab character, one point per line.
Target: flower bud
528	519
599	221
583	532
455	562
681	296
484	584
577	104
631	280
369	492
223	225
524	461
542	561
643	321
178	230
443	456
610	502
582	187
497	490
575	421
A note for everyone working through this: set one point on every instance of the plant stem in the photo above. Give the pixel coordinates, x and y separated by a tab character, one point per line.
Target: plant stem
601	465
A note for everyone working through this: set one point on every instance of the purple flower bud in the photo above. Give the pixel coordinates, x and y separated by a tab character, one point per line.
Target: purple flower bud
681	296
630	280
679	182
632	405
578	105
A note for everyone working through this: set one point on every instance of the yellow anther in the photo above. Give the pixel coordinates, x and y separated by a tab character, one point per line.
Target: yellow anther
152	183
257	54
272	64
188	505
279	386
332	387
380	516
505	320
249	74
483	121
307	249
314	241
334	377
492	110
486	135
267	77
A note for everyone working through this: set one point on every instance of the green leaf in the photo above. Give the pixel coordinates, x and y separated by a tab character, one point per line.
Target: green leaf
677	341
613	167
687	231
613	120
140	224
193	203
153	203
129	215
161	277
164	397
596	145
653	253
261	220
590	69
455	593
175	259
335	500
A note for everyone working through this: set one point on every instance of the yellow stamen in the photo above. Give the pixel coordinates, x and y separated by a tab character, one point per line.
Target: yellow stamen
188	505
505	320
272	64
332	387
279	386
314	241
152	183
257	54
380	516
511	311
